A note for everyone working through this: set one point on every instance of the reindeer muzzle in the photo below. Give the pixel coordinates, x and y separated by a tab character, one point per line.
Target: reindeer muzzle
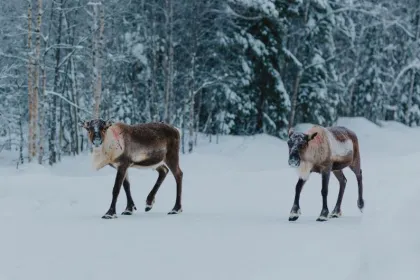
294	160
294	163
97	140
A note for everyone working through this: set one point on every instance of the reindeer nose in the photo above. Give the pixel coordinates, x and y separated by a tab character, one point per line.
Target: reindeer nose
293	162
97	142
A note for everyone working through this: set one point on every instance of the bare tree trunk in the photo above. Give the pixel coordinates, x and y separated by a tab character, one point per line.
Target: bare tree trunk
413	71
94	62
410	97
20	137
100	59
350	103
74	90
72	109
195	40
294	99
191	123
76	101
260	112
153	108
184	112
36	88
168	60
97	42
191	101
42	111
43	98
171	62
61	130
53	109
197	118
154	111
30	84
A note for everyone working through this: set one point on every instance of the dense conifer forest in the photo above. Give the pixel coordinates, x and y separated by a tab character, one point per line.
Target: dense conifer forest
239	67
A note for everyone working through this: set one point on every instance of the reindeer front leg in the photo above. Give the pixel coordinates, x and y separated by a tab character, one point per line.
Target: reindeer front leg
131	207
295	212
324	192
121	173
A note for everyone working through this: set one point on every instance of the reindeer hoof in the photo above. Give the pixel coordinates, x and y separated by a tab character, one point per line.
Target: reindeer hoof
322	219
174	211
324	215
294	215
129	211
294	218
149	206
109	216
360	204
335	214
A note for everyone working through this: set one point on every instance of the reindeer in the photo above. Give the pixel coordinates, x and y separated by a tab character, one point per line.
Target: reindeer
324	150
121	146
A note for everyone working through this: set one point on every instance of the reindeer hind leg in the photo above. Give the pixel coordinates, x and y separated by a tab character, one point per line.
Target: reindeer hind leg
356	168
173	163
358	172
342	180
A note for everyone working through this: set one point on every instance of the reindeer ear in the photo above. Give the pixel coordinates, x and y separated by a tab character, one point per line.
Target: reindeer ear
291	131
108	123
84	124
312	136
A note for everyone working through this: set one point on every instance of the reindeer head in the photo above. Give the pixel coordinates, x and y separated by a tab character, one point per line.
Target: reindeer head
96	129
297	143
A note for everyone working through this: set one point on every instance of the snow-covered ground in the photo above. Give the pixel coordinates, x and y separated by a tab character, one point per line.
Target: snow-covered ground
236	200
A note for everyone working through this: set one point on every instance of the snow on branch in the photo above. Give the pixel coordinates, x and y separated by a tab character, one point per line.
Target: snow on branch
415	64
207	84
94	3
14	56
402	27
68	101
293	57
318	62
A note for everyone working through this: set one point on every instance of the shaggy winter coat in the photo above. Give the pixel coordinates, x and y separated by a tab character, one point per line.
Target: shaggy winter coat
334	147
145	145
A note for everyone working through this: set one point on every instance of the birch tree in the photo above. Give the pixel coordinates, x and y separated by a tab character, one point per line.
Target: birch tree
168	59
38	110
98	17
31	132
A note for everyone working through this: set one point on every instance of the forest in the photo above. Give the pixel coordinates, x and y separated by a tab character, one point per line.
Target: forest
217	67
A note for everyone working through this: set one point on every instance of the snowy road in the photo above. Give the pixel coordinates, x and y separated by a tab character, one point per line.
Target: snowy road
237	198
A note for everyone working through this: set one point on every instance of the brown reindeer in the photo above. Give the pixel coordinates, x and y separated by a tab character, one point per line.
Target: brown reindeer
151	145
324	150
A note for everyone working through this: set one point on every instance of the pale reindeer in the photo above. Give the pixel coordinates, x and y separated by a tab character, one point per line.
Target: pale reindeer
149	145
324	150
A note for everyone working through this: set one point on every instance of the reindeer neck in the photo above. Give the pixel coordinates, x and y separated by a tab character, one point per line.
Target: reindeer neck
318	149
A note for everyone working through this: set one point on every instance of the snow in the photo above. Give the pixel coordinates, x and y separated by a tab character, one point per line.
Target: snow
293	57
268	7
236	200
138	52
256	45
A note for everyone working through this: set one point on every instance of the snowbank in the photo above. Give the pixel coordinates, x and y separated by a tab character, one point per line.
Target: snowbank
237	196
390	243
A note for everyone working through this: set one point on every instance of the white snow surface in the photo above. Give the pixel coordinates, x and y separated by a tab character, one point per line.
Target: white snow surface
236	201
